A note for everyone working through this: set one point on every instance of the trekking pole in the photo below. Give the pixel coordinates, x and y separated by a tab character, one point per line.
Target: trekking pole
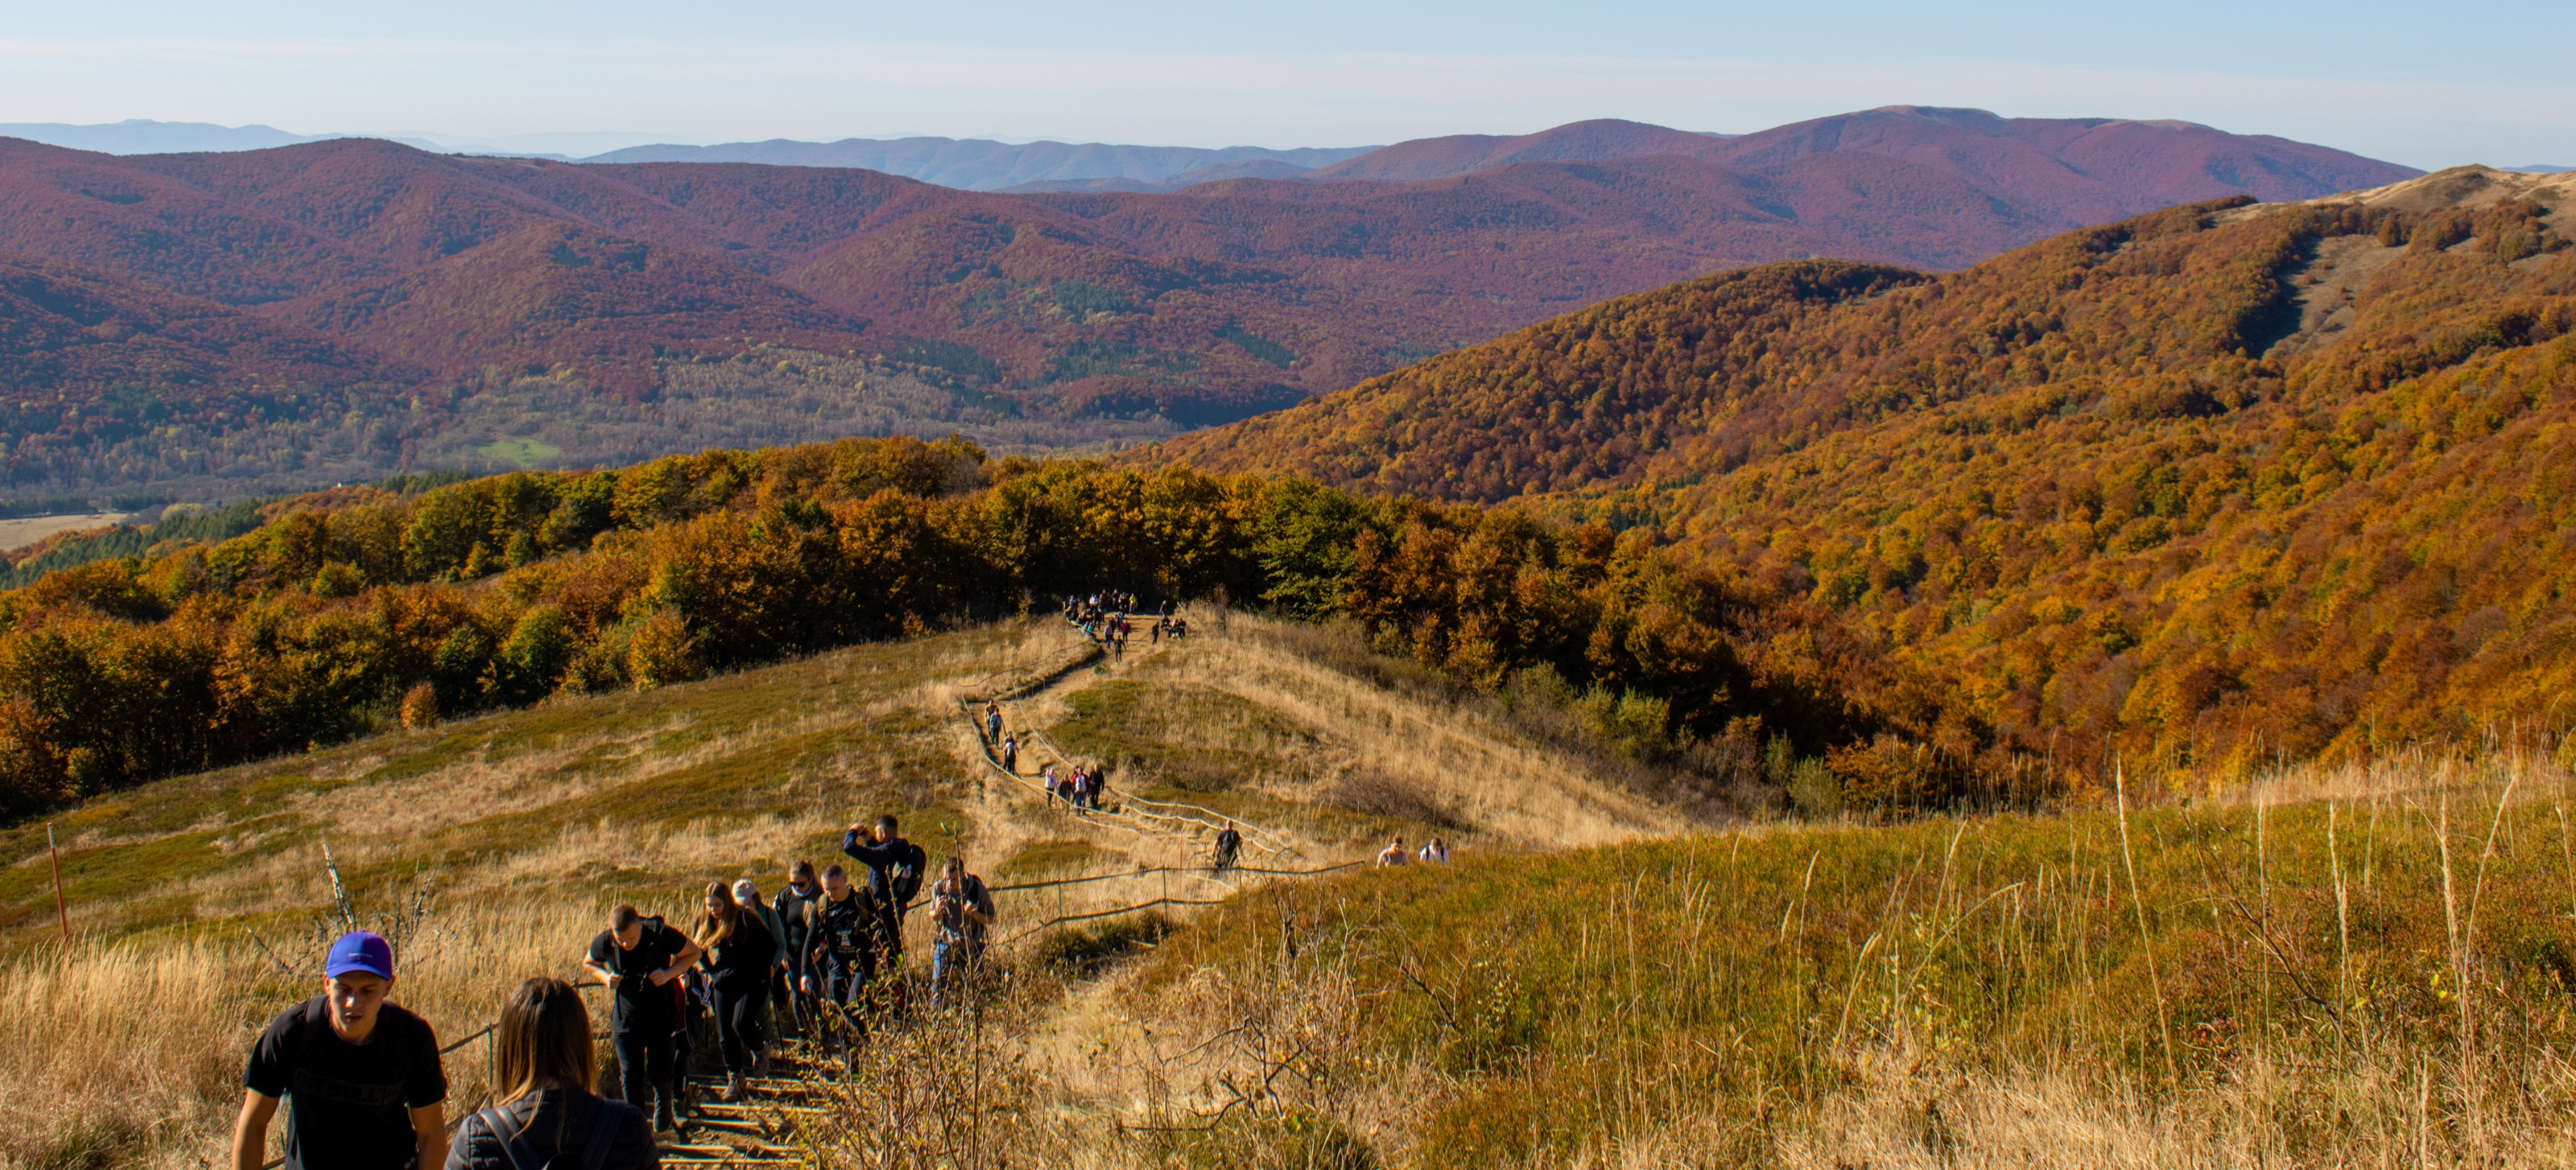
62	915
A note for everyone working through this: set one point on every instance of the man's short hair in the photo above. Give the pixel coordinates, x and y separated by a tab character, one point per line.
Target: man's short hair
954	864
834	870
887	823
802	868
622	917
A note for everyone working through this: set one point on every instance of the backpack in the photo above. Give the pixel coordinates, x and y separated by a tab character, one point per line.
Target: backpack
594	1154
903	878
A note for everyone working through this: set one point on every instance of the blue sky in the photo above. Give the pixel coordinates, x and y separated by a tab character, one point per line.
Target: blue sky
2429	85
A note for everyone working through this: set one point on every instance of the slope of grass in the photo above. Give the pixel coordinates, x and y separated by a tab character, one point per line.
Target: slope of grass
773	760
1742	989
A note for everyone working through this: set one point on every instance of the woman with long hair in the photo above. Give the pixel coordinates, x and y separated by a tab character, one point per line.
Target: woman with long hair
543	1064
739	953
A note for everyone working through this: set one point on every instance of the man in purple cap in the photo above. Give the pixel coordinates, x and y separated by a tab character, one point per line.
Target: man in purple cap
362	1075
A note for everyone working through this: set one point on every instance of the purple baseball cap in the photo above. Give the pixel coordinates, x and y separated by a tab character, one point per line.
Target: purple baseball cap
360	951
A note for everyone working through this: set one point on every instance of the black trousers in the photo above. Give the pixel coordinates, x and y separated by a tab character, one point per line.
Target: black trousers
738	1024
646	1064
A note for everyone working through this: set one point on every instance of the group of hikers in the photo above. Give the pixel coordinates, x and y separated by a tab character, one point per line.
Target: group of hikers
1107	618
1434	852
363	1084
364	1088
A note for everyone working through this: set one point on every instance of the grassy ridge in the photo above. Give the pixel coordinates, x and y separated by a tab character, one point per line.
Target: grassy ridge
1580	1000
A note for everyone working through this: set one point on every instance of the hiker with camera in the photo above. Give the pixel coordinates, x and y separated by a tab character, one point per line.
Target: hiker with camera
960	910
360	1076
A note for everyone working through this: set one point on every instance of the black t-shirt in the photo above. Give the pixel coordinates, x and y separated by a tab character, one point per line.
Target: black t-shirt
742	962
348	1105
641	1006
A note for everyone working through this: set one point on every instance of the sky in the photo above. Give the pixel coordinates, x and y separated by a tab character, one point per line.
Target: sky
2425	85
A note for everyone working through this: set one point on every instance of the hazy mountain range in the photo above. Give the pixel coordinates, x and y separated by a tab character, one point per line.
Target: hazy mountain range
334	278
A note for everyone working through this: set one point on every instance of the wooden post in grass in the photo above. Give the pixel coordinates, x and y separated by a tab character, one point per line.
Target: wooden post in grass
62	915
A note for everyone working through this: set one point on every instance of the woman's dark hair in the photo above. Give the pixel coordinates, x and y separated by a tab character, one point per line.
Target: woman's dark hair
542	1041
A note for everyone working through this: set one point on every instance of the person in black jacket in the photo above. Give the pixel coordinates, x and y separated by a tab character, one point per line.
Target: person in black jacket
544	1061
796	921
895	868
739	955
640	960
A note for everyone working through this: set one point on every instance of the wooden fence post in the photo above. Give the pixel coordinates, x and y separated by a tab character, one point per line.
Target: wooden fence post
62	914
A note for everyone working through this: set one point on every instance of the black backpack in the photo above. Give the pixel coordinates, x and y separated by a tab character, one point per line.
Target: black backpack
594	1153
903	878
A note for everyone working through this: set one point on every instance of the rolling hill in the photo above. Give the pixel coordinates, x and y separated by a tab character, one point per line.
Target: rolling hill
1160	310
2213	482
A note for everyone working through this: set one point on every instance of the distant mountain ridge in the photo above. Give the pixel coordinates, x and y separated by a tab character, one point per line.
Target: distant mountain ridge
610	283
976	164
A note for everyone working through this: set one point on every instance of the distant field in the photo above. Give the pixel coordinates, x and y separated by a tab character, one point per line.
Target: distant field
27	530
518	452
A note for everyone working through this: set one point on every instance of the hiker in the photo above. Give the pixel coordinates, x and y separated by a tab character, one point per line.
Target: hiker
843	929
546	1114
1435	852
1047	783
746	894
1011	754
639	960
894	877
1082	799
1395	854
796	937
960	910
1180	628
1229	842
993	722
360	1075
739	951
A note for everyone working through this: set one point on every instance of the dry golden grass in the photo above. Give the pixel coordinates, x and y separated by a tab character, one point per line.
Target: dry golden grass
1969	993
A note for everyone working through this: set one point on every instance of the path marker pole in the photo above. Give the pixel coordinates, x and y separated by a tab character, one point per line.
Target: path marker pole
62	915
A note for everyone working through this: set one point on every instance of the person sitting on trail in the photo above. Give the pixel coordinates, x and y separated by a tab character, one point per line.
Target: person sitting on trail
1180	628
360	1076
639	960
801	888
960	910
1435	851
545	1114
1395	854
1229	843
895	868
845	930
1011	754
746	894
739	954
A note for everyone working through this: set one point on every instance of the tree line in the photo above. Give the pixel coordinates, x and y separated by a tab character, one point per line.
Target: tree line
350	610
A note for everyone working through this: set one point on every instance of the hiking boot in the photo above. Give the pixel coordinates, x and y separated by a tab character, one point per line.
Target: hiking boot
733	1087
760	1064
664	1120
